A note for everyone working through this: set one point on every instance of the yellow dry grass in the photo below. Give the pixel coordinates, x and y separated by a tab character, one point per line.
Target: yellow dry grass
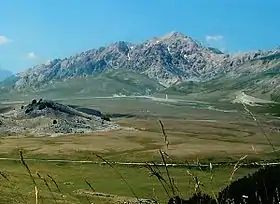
140	139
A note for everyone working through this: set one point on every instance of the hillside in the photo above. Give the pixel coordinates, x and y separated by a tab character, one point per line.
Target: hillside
173	63
107	83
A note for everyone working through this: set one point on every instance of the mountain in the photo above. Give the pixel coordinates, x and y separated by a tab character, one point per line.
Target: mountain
259	77
4	74
170	63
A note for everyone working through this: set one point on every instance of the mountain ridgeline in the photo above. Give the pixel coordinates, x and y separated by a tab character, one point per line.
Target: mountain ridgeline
4	74
172	63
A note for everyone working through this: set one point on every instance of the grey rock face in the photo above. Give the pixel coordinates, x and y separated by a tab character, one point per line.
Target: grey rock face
171	59
50	118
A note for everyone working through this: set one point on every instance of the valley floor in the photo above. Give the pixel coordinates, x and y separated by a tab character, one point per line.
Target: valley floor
195	134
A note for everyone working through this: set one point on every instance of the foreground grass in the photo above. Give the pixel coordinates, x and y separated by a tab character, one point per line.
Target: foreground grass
71	180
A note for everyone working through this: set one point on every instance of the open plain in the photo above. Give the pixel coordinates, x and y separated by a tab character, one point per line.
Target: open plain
195	136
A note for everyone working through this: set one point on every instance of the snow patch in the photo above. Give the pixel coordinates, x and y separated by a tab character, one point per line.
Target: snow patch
168	48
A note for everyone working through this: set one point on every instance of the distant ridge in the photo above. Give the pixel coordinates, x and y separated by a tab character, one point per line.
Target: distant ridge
174	62
4	74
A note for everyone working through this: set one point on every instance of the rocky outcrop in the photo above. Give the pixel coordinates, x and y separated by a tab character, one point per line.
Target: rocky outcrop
43	118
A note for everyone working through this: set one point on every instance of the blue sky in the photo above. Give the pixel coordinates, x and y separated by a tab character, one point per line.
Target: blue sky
34	31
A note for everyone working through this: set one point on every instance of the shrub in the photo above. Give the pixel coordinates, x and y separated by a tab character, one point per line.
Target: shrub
33	101
105	117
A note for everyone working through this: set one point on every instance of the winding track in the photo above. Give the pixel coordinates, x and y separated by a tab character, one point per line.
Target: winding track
143	164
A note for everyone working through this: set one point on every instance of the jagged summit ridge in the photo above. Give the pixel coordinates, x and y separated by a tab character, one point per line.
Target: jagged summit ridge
171	59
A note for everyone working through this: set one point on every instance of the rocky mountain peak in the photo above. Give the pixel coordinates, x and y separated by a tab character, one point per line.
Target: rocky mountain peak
121	46
169	60
174	34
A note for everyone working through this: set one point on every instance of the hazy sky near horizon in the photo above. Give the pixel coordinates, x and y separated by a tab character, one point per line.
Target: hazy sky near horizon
34	31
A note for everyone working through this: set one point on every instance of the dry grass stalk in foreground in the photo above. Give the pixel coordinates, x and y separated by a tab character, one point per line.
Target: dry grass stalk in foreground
89	185
197	183
164	134
47	185
55	183
237	166
154	171
30	175
2	174
12	185
259	125
172	184
168	174
119	174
